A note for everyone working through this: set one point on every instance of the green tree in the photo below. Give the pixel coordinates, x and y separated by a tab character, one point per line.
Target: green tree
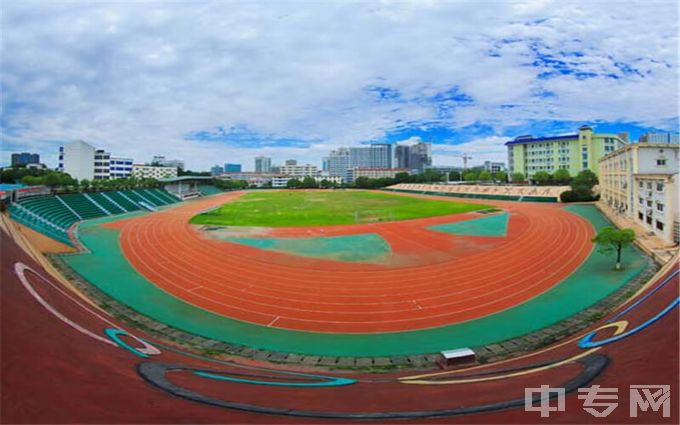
85	184
500	176
542	178
402	177
454	176
470	175
52	180
309	183
484	176
562	176
518	177
293	184
586	179
610	240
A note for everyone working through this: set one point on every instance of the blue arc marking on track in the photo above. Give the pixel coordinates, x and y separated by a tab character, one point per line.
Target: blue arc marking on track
114	335
330	381
586	341
645	297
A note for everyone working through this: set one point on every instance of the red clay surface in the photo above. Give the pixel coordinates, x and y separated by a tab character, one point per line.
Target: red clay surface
54	373
432	278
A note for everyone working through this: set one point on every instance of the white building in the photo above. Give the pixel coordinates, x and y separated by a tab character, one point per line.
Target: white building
120	168
640	183
77	159
373	173
142	171
164	162
658	138
282	181
299	170
494	167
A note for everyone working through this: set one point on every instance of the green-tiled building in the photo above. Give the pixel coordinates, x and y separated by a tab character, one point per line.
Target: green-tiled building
572	152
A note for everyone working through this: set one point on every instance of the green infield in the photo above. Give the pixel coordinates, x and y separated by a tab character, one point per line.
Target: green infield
318	208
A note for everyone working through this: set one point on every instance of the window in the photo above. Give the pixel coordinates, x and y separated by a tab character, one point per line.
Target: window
659	187
649	185
659	225
661	162
642	185
649	203
659	207
649	220
641	216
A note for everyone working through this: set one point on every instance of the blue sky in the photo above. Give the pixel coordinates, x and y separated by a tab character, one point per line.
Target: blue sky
216	82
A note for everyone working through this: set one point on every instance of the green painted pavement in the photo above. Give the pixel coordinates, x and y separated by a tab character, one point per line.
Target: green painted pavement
368	247
107	268
495	225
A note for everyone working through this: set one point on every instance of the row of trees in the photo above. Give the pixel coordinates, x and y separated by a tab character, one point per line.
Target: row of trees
230	184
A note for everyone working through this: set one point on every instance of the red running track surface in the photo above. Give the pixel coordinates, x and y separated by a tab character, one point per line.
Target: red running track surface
432	279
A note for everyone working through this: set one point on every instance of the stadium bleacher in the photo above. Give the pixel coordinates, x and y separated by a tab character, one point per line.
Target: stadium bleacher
504	193
207	190
54	215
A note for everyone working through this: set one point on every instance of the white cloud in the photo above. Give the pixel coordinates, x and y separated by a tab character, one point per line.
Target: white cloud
137	77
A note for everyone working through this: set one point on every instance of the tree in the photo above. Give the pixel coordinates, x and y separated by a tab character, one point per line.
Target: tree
518	177
85	184
485	176
309	183
454	176
584	179
402	177
542	178
562	176
610	240
500	176
470	175
293	184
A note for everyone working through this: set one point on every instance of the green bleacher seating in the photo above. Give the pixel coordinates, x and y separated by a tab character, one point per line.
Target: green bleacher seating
208	190
83	206
54	215
122	201
104	202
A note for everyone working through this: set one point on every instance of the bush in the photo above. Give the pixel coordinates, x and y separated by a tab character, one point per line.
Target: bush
578	196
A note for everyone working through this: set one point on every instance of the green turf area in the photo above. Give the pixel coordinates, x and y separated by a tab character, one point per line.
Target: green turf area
367	247
494	225
107	268
318	208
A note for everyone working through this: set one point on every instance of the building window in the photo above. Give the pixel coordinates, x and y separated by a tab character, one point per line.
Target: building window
642	185
649	203
661	162
659	207
659	187
649	220
659	225
641	216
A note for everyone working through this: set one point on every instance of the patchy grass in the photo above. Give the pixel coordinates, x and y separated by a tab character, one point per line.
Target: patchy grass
316	208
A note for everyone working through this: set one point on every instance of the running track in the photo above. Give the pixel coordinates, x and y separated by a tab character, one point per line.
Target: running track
432	279
58	367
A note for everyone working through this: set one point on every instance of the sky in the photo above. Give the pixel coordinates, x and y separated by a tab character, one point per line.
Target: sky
212	82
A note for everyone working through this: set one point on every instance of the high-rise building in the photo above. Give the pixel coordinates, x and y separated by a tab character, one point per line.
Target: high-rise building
573	152
232	168
670	138
377	155
25	158
291	162
216	170
263	164
402	157
338	162
420	156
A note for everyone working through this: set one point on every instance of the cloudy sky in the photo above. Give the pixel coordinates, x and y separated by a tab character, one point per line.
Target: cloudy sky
224	81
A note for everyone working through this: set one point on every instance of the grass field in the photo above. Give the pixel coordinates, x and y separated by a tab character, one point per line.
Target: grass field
305	208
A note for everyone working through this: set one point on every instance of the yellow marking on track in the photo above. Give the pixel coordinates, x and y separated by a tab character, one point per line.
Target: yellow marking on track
494	378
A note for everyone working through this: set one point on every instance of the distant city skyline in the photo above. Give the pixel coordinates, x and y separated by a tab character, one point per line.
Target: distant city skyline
145	78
